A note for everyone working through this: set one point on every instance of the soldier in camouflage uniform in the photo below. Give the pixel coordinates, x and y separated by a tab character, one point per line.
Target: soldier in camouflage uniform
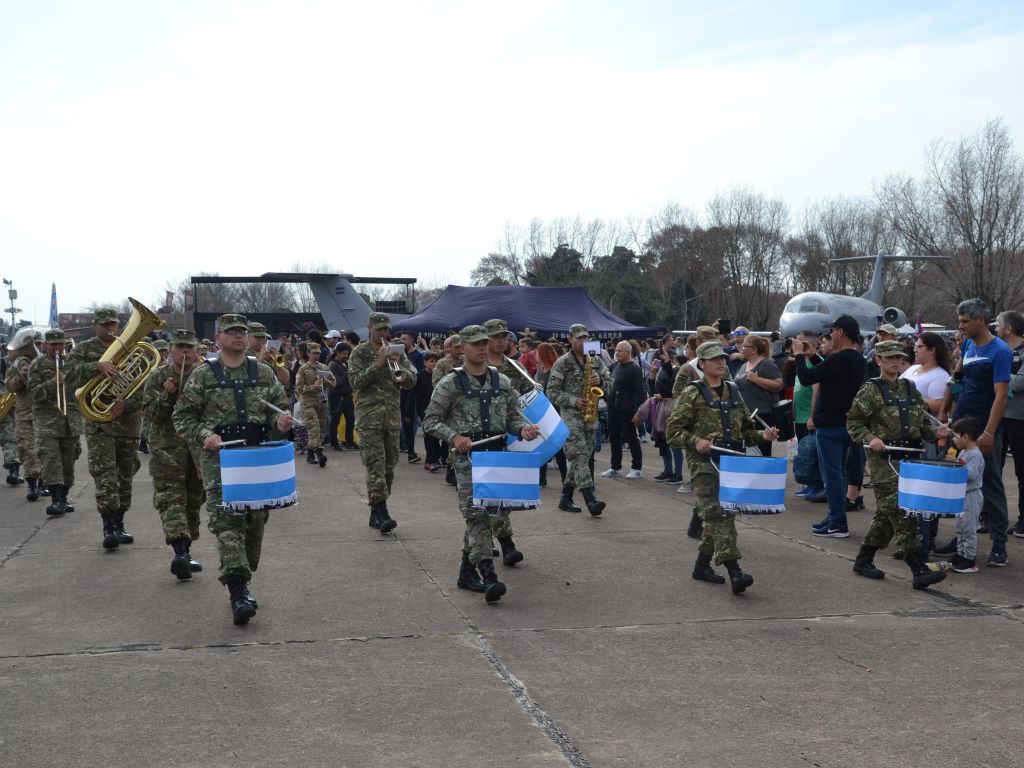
9	446
16	381
452	358
565	390
309	388
57	434
113	446
223	400
173	463
889	411
472	403
711	412
258	338
378	415
497	343
689	371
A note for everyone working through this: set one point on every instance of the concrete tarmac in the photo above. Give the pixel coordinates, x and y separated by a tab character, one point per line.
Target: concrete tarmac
604	651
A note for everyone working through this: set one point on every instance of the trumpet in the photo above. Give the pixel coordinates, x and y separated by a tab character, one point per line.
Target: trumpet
62	393
279	361
396	369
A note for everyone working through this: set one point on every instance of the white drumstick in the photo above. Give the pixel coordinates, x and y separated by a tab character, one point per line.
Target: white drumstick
298	422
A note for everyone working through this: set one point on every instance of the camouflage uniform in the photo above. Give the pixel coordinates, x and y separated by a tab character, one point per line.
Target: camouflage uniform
57	442
24	433
8	443
378	416
173	462
693	419
443	367
114	446
310	390
203	405
869	417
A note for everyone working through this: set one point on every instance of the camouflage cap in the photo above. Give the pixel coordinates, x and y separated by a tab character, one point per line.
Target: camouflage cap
184	336
258	330
706	333
54	336
455	339
887	328
710	350
890	349
496	326
312	348
473	333
160	345
104	315
578	329
380	320
227	322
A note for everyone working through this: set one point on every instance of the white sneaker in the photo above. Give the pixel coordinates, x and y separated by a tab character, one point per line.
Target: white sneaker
634	474
685	488
611	473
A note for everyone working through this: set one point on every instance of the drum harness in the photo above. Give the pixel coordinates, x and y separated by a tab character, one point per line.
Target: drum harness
253	434
485	395
724	407
903	404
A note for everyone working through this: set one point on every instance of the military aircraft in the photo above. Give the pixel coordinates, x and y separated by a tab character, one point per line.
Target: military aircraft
814	311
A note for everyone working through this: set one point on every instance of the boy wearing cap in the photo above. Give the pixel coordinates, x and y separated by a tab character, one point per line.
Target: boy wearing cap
888	413
377	391
57	433
174	464
114	445
711	412
310	381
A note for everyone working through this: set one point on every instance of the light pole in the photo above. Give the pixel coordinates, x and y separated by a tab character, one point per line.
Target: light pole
12	295
686	310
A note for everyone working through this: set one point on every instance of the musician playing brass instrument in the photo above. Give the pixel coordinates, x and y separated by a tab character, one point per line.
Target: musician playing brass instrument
258	348
572	393
113	446
24	351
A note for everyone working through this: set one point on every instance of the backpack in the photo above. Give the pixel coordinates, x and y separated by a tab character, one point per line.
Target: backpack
805	465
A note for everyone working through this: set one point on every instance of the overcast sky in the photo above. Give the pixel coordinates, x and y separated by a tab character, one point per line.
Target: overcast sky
141	142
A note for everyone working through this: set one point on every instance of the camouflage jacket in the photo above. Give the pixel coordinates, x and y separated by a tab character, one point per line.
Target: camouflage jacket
308	385
16	381
693	419
47	420
450	412
203	404
444	366
81	367
168	453
870	417
375	390
515	376
565	383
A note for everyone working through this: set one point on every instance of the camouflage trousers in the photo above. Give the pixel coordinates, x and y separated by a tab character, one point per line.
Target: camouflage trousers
719	538
239	534
57	459
378	448
578	448
178	500
314	414
483	524
7	442
113	462
889	521
25	435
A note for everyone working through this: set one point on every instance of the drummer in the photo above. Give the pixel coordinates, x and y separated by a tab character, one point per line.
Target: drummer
888	413
710	412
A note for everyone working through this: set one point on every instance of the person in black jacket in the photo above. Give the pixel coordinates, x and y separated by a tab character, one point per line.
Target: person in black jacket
340	398
628	392
420	395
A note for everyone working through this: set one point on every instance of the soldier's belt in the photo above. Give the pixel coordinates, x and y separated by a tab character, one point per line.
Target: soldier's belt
253	434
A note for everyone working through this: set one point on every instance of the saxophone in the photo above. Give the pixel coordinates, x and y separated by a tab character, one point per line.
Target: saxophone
590	394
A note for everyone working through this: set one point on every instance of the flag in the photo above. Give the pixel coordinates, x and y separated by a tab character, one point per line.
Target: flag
505	479
53	306
752	485
931	490
538	410
259	477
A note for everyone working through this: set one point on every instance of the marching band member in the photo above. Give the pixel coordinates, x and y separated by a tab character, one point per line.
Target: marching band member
452	358
227	399
23	347
258	348
309	387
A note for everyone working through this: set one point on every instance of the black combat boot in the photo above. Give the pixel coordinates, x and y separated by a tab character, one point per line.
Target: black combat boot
55	507
179	565
321	458
565	503
13	478
241	609
864	564
449	475
143	445
64	491
509	554
696	527
123	537
493	589
738	580
250	596
110	540
194	565
923	577
375	515
310	456
387	525
702	571
469	578
32	494
594	506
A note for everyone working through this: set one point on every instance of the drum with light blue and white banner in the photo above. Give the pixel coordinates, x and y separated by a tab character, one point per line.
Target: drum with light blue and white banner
506	479
258	477
752	485
930	489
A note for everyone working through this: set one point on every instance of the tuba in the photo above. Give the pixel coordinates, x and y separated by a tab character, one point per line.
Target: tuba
590	394
135	359
6	404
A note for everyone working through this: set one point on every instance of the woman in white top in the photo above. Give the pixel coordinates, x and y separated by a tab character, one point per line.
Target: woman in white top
930	371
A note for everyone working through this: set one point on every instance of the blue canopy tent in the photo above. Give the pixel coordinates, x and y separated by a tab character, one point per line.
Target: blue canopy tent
545	311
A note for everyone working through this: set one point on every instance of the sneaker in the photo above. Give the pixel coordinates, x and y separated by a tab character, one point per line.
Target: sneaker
966	566
428	467
948	549
661	477
633	474
685	488
643	438
414	459
997	557
832	533
852	505
612	473
803	491
674	480
1017	530
822	526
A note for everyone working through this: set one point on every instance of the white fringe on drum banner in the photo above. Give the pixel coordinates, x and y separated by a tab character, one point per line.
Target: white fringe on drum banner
753	509
509	504
252	506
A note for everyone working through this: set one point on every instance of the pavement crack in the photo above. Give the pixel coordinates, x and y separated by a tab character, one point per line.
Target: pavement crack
854	663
